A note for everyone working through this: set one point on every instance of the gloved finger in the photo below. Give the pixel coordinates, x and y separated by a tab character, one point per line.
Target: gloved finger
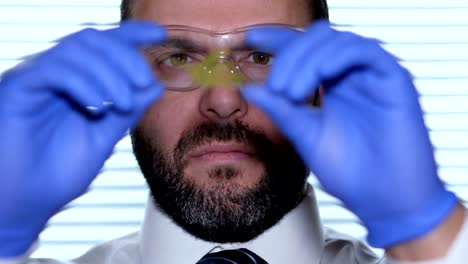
301	88
115	47
363	52
128	59
375	59
289	60
138	33
386	81
80	56
114	126
60	79
343	54
271	39
298	122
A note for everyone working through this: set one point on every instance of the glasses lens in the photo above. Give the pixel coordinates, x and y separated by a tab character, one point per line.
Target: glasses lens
255	65
171	68
193	58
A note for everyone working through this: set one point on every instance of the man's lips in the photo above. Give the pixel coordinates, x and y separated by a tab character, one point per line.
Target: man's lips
218	151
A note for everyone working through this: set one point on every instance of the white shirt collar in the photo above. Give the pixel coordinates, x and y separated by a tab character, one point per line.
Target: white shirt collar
298	234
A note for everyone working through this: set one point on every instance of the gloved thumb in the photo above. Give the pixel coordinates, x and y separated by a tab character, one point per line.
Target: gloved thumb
299	122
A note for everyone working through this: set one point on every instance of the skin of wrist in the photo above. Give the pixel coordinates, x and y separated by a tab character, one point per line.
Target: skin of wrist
434	245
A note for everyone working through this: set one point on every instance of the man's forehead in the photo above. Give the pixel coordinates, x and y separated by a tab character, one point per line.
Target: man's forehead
223	15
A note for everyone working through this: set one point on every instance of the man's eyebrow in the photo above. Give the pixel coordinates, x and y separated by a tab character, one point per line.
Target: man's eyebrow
179	43
242	47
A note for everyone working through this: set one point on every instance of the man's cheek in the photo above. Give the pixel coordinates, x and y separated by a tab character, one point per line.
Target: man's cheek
260	121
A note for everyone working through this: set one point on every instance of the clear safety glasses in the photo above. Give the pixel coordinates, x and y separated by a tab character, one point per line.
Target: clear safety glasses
192	58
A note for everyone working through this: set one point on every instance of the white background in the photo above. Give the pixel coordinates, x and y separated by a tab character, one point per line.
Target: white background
430	36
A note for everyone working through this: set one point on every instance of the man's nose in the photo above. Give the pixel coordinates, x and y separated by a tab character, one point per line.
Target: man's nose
223	103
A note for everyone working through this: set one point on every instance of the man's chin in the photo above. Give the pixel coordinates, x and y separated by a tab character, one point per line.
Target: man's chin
222	211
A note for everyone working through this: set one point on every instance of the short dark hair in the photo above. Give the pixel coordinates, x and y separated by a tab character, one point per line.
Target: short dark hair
319	9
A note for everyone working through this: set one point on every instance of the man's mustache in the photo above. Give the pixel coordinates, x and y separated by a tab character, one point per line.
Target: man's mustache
208	132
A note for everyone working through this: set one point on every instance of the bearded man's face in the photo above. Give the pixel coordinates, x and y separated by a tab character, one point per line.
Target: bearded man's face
214	163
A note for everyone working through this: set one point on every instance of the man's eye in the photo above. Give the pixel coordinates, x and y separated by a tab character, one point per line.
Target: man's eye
177	60
261	58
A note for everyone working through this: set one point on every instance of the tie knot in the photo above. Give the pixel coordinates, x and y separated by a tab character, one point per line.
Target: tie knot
232	256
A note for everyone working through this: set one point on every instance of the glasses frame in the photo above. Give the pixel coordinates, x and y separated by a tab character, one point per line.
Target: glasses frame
217	34
232	31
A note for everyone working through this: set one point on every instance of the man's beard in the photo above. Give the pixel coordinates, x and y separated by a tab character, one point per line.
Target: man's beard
224	211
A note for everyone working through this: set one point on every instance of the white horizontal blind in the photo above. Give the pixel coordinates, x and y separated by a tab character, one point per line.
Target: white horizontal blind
430	36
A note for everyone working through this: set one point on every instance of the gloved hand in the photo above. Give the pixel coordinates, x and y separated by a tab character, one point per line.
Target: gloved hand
56	129
368	144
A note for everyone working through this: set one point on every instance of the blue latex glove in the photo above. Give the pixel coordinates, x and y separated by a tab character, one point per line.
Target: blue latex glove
368	144
51	145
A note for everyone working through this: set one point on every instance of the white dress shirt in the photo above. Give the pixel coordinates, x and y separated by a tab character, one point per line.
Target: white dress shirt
298	238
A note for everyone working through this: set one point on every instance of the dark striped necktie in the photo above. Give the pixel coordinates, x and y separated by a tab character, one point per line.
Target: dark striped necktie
234	256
